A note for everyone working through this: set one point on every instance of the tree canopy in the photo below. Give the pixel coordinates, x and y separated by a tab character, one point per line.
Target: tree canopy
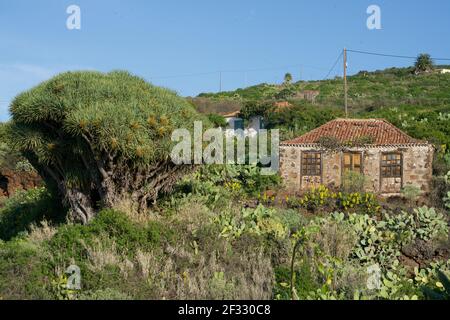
98	137
423	63
287	78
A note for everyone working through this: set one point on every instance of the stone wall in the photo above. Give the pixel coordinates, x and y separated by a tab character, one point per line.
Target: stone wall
417	168
290	167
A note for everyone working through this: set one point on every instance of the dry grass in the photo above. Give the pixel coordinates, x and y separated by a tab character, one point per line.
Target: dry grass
206	276
130	208
144	263
335	240
39	234
102	253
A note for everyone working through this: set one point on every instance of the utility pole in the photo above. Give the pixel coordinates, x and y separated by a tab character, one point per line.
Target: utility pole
220	81
345	83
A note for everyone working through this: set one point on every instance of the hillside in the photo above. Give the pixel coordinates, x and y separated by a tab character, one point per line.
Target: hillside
221	231
409	101
366	89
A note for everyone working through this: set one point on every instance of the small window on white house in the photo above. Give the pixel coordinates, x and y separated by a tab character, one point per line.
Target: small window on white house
238	124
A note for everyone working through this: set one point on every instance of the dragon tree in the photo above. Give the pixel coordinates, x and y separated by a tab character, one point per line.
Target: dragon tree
97	138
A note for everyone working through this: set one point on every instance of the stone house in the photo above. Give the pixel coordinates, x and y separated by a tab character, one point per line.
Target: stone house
388	157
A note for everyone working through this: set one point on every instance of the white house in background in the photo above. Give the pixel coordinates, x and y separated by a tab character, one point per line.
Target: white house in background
443	71
234	121
255	124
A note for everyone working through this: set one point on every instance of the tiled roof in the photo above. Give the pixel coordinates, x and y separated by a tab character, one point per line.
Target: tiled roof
231	114
380	131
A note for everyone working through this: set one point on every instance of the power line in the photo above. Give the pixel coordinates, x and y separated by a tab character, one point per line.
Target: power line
235	71
334	65
392	55
185	75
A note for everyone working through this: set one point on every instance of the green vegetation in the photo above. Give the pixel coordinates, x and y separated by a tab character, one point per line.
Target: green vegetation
217	120
424	63
210	240
444	283
98	138
223	231
322	198
27	208
287	78
418	104
411	192
353	181
10	157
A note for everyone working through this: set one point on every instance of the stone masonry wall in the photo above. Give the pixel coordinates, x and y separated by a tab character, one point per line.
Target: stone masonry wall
417	168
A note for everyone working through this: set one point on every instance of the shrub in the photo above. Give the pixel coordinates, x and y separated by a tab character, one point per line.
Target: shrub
217	120
237	179
126	234
411	192
447	200
26	208
365	202
104	294
438	191
256	108
322	197
353	181
21	274
305	281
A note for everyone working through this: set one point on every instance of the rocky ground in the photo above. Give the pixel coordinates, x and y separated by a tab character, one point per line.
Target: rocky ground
12	181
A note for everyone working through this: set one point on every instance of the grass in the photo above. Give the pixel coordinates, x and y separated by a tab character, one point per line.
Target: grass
194	249
18	214
165	258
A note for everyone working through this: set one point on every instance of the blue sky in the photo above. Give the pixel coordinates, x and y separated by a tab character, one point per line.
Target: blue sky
182	44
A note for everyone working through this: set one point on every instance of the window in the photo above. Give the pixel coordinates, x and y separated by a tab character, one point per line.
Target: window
352	161
391	165
311	164
238	124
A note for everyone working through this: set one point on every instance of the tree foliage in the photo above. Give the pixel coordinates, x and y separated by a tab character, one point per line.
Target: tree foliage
424	63
287	78
98	137
217	120
256	108
8	156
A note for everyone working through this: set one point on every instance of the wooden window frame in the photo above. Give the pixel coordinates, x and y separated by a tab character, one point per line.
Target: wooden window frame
392	167
361	158
302	163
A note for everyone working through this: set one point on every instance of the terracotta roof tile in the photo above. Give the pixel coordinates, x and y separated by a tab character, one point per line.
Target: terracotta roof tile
344	130
231	114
